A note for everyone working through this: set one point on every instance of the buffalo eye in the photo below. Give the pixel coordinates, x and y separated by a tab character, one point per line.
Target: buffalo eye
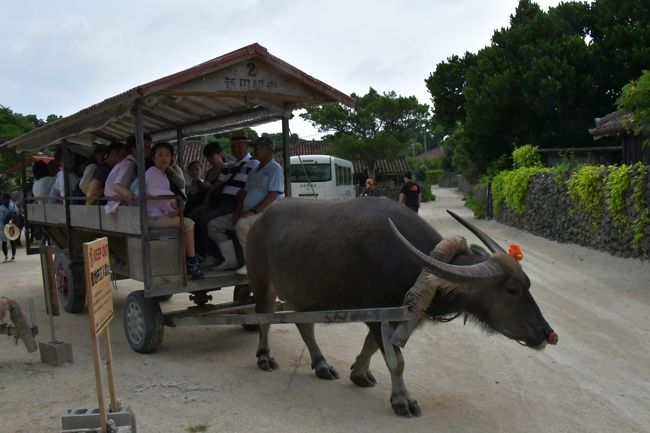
513	291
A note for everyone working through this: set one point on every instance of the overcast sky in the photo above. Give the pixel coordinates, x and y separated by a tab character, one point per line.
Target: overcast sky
61	57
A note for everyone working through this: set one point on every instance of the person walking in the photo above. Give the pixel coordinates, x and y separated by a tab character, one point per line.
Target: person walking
8	211
411	194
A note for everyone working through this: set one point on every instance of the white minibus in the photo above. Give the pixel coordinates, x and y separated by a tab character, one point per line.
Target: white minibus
321	177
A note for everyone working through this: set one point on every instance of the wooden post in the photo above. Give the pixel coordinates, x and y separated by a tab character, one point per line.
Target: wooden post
142	199
286	157
100	313
114	407
103	418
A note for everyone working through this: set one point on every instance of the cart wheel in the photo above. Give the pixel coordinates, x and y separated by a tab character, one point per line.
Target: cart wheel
244	296
143	323
69	282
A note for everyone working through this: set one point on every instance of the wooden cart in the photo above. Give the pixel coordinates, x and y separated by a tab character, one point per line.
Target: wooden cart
244	88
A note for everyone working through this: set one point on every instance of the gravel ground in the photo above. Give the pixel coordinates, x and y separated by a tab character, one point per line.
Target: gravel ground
595	380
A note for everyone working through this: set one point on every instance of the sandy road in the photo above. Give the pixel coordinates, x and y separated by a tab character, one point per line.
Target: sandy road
597	379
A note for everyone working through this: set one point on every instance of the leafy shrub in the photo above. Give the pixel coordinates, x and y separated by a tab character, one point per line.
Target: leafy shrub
617	186
526	156
585	187
510	187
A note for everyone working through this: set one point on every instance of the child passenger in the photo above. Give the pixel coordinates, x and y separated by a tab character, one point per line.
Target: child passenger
165	212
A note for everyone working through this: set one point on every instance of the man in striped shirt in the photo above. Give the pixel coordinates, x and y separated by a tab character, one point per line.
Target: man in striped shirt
221	198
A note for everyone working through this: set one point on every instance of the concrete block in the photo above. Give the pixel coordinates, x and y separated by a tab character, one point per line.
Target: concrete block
81	420
56	353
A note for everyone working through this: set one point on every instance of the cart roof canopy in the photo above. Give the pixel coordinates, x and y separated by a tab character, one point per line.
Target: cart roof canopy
244	88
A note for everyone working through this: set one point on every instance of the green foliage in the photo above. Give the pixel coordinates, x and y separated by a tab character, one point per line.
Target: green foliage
617	186
585	188
427	194
377	127
526	156
639	194
510	188
542	80
12	125
446	85
635	98
198	428
426	169
476	205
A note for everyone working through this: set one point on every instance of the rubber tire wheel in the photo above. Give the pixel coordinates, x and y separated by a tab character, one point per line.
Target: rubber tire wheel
70	282
243	295
163	298
144	325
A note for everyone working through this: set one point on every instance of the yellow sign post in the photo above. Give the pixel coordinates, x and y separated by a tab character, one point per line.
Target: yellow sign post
100	312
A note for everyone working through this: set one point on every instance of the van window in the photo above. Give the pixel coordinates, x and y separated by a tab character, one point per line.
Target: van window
315	172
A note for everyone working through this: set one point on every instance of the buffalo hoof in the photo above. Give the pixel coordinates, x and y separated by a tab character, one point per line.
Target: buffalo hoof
325	371
405	406
267	363
366	380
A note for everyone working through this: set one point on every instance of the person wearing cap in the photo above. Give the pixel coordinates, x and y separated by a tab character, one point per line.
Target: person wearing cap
264	187
411	193
115	153
8	211
222	196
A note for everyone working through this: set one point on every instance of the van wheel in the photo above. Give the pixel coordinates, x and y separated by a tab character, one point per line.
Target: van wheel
143	323
244	296
69	281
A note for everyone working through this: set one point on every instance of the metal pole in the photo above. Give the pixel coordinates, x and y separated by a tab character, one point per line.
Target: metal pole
66	194
286	153
181	148
142	202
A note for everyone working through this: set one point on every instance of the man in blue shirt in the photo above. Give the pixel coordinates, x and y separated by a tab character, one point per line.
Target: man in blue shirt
264	186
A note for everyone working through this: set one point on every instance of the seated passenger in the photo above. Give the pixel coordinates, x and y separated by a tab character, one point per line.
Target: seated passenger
265	185
165	212
58	190
222	196
116	152
120	178
99	154
197	188
42	181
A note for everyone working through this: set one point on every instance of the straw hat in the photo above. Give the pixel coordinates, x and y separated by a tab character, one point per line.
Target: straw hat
11	231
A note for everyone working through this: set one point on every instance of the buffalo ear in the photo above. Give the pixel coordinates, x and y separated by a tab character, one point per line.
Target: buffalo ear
478	250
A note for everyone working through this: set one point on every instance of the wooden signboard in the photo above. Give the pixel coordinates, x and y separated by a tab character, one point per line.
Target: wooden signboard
100	312
98	284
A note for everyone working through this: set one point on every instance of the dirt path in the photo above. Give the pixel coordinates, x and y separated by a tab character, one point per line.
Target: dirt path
595	380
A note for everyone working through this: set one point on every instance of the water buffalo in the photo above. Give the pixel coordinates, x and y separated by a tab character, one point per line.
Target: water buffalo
345	255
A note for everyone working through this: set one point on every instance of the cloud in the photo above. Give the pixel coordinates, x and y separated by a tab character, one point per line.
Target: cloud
62	57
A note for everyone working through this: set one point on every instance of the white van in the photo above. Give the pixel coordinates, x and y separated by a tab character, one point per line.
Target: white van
321	177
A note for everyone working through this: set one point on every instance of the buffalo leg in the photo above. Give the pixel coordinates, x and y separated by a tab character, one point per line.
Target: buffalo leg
318	362
264	303
400	399
360	374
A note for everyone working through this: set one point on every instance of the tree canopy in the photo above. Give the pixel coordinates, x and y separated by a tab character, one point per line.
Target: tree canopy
635	98
12	125
542	80
379	126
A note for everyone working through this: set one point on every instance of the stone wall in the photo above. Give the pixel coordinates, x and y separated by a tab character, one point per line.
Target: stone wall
549	213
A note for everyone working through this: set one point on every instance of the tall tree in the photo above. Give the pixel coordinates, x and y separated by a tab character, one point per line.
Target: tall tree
379	126
446	86
543	79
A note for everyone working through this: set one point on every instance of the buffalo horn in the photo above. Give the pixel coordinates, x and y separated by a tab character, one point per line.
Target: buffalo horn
481	272
488	241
